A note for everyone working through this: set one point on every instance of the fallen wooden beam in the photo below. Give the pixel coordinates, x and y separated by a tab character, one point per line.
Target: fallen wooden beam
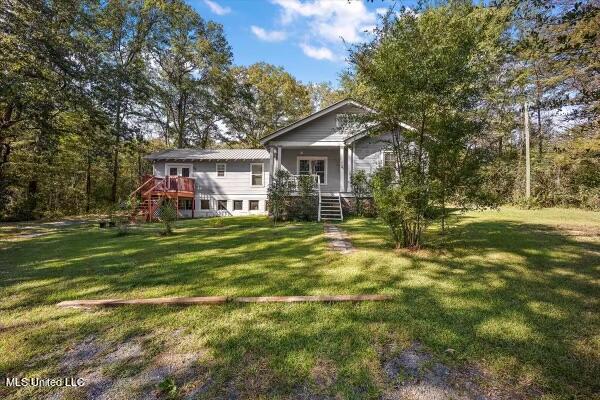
322	298
221	300
151	301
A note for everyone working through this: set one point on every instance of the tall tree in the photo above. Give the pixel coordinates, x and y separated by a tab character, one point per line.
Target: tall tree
267	98
123	31
193	58
430	70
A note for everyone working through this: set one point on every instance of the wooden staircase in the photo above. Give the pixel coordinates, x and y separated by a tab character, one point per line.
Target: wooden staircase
331	208
153	190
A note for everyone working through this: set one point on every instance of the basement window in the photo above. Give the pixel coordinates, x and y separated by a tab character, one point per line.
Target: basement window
253	205
205	204
238	205
222	205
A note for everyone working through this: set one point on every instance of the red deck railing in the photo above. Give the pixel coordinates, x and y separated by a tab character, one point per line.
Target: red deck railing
169	184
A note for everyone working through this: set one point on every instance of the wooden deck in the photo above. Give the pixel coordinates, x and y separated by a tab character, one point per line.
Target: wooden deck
153	190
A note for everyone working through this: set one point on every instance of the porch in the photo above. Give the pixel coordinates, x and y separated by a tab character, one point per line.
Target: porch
333	165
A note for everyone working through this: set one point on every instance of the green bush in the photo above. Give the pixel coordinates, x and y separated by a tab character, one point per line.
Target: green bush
167	213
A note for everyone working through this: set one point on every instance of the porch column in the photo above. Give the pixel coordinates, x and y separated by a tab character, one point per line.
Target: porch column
348	184
272	161
342	178
278	157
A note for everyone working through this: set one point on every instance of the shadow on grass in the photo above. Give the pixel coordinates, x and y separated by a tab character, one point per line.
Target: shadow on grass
518	298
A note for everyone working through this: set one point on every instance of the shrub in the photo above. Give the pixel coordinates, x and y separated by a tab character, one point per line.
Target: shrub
167	213
361	189
279	192
403	205
307	203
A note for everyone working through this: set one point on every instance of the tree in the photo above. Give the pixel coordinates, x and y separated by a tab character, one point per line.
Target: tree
193	58
432	71
123	86
266	99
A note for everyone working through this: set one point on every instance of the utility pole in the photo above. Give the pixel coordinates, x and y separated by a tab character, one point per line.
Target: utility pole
527	156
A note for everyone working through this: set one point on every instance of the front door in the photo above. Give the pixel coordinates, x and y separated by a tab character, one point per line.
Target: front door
178	170
313	166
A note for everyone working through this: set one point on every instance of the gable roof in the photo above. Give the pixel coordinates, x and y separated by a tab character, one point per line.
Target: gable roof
312	117
206	154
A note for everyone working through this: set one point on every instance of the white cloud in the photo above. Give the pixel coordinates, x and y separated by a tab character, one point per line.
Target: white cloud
268	36
329	20
319	53
217	8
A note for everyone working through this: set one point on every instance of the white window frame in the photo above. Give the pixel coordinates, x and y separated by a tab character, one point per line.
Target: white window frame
224	170
179	167
257	205
262	169
233	205
200	205
298	158
383	152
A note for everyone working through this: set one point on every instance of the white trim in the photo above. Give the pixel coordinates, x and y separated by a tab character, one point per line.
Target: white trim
217	170
262	173
307	144
383	151
312	117
365	133
298	158
350	167
278	158
179	166
342	175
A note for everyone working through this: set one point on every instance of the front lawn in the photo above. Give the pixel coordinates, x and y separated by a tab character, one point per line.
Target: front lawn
505	305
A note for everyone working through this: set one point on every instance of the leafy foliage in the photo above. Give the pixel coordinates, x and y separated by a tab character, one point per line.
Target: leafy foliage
279	192
167	213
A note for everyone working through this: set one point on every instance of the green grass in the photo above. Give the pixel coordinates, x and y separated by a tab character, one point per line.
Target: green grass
514	293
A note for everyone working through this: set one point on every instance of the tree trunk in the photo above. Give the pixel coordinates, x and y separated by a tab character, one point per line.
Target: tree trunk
88	183
115	171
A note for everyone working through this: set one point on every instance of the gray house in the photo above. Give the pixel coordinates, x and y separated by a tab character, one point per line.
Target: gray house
235	181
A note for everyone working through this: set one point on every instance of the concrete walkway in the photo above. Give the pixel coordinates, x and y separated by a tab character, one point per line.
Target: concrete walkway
338	239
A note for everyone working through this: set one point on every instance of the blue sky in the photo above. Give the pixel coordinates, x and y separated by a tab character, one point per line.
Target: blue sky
303	36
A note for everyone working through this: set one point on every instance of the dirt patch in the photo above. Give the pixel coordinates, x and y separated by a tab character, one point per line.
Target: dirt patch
415	374
129	370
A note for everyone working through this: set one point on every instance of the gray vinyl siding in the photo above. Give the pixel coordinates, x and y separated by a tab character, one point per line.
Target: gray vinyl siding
368	153
320	130
237	179
289	162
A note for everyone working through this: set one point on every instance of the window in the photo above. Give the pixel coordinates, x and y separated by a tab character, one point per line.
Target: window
238	205
313	166
253	205
256	170
185	204
222	205
185	171
389	159
173	171
205	204
221	168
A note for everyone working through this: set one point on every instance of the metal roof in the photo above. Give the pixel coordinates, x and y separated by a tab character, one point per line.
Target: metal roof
206	154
